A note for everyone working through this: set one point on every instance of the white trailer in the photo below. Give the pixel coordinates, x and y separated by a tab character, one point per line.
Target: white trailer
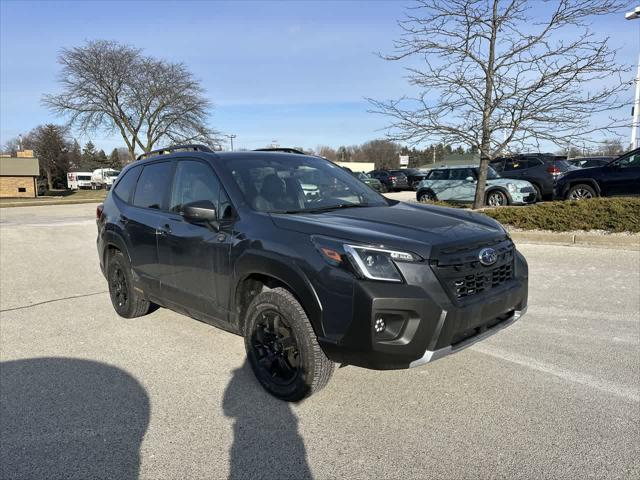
103	178
78	180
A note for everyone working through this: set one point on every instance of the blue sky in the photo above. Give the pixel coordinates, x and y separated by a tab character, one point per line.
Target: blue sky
296	72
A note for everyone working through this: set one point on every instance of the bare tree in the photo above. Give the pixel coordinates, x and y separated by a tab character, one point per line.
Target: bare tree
110	86
497	73
51	146
327	152
383	153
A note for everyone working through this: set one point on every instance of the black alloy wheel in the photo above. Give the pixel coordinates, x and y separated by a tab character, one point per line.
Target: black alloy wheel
118	288
275	348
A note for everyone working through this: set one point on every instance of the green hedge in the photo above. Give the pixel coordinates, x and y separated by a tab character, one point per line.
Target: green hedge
610	214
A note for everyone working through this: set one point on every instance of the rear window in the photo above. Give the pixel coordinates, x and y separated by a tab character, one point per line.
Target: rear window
125	186
153	185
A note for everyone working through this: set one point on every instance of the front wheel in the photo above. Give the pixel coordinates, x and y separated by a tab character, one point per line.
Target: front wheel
496	198
383	188
426	197
282	347
581	192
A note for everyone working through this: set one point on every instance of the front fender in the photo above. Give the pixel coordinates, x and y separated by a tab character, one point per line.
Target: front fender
283	270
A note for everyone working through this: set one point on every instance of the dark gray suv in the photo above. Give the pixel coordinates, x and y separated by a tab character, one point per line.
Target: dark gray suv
310	265
541	170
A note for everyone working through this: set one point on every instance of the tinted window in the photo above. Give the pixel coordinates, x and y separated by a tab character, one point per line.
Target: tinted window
439	175
125	186
461	174
515	164
630	161
533	162
153	185
196	182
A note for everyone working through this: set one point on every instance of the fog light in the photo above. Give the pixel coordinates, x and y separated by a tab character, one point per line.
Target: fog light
380	325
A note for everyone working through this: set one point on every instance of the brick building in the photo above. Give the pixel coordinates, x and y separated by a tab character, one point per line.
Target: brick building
18	176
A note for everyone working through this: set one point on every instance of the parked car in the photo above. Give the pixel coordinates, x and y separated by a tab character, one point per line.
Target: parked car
372	182
349	277
393	180
459	183
414	175
618	177
541	170
588	162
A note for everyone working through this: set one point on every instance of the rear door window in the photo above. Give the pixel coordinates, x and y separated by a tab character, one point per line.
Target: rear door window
125	186
153	186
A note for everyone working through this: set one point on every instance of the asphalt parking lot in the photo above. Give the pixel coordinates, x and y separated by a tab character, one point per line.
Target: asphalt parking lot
86	394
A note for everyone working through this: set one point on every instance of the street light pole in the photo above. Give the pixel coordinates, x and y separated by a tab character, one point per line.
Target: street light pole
634	15
231	137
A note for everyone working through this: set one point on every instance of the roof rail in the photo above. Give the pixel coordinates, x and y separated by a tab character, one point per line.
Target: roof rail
176	148
280	149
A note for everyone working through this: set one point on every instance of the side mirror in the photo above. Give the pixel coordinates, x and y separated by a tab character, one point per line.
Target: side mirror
200	212
614	165
470	179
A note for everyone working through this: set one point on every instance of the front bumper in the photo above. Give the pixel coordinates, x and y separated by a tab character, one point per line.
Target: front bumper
433	355
519	198
423	321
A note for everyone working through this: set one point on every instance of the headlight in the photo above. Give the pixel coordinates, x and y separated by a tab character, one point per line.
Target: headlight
368	262
511	187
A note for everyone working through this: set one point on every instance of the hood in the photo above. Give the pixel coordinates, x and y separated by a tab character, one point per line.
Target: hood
414	227
582	172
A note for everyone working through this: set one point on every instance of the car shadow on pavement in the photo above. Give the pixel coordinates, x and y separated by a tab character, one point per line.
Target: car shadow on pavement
70	418
266	442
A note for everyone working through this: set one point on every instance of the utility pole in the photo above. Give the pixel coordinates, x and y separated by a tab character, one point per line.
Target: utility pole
231	137
634	15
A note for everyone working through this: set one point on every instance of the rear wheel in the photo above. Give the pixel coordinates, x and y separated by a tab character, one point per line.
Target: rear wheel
496	198
383	188
581	192
282	347
126	301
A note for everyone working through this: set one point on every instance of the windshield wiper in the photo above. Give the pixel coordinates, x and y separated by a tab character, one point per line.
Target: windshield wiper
327	208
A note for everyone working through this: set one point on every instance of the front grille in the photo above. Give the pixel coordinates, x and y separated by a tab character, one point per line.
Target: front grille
527	190
479	282
463	276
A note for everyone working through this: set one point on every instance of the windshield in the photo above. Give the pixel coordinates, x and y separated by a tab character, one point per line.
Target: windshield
293	184
362	176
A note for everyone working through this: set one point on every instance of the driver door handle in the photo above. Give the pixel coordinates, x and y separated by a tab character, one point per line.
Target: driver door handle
164	230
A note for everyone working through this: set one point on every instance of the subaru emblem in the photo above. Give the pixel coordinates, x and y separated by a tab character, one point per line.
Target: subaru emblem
488	256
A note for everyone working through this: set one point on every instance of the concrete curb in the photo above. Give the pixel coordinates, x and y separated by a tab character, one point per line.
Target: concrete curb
38	203
630	242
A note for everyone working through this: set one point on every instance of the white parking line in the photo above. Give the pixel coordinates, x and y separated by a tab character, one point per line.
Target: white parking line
630	393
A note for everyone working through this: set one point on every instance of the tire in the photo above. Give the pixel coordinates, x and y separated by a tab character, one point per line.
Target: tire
427	196
496	198
126	300
581	191
282	348
383	188
538	192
